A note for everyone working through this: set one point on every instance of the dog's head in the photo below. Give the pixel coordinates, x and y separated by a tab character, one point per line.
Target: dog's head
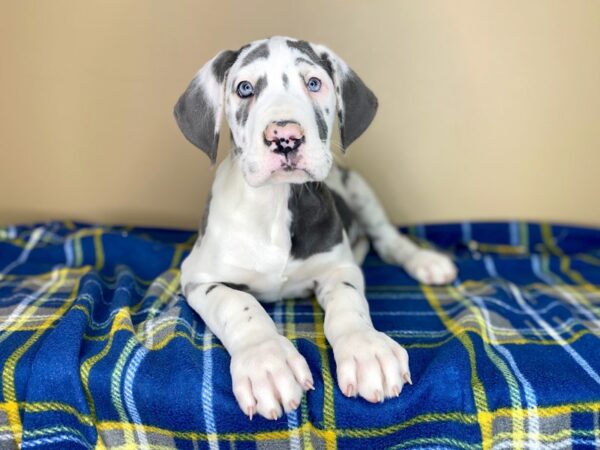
280	97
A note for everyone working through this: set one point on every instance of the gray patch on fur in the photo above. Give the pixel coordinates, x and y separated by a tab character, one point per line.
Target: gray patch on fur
283	123
305	61
262	51
205	213
344	211
316	225
285	80
360	106
241	115
325	62
261	85
307	49
222	63
321	124
344	174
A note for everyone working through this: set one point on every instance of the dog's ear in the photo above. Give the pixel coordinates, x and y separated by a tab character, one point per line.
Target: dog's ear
199	109
356	103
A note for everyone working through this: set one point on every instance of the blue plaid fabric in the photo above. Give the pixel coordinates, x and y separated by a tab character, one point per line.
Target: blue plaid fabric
99	349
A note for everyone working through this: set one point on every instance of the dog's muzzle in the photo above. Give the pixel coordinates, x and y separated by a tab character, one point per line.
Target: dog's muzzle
284	137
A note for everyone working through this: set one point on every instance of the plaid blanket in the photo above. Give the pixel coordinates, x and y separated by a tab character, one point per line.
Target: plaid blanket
98	348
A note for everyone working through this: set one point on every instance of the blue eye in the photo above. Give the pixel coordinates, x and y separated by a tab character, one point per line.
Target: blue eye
314	84
245	89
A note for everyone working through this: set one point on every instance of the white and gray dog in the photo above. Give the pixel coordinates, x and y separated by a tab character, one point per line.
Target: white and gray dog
283	220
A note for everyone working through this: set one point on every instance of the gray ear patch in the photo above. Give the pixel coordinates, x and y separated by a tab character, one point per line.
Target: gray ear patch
360	106
195	114
196	119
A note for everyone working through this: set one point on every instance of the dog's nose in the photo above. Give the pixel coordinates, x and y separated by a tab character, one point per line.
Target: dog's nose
284	129
287	136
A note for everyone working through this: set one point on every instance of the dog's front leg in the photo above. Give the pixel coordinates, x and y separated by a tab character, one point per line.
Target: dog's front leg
369	363
267	372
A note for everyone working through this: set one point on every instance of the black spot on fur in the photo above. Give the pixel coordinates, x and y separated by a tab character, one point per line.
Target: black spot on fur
285	80
246	308
236	286
316	225
262	51
345	283
210	288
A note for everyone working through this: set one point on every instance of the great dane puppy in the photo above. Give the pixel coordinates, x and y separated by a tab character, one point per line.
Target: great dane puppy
283	220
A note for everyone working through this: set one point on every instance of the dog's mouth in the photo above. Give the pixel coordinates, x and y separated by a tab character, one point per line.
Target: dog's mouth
293	169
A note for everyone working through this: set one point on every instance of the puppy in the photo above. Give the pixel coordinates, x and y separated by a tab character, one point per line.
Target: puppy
283	220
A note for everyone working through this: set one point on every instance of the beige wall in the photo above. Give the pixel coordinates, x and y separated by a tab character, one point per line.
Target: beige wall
487	109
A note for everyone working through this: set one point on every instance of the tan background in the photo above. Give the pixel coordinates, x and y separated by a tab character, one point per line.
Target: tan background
488	109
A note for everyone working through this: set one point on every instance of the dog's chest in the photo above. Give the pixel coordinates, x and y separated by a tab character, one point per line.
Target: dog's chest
276	240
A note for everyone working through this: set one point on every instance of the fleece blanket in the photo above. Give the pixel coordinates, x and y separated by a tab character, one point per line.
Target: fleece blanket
98	348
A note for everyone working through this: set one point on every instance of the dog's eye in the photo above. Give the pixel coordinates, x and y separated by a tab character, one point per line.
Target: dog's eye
314	84
245	89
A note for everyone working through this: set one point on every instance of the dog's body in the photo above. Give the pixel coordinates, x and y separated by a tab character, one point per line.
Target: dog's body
284	221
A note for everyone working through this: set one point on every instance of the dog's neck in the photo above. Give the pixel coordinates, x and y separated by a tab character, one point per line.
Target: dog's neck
250	224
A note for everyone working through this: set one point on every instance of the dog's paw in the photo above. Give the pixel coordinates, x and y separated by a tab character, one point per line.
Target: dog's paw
370	364
268	376
429	267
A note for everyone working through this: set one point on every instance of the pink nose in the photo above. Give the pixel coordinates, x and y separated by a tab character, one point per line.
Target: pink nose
284	132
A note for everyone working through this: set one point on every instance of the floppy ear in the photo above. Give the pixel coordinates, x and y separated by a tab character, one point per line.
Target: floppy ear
356	103
199	109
